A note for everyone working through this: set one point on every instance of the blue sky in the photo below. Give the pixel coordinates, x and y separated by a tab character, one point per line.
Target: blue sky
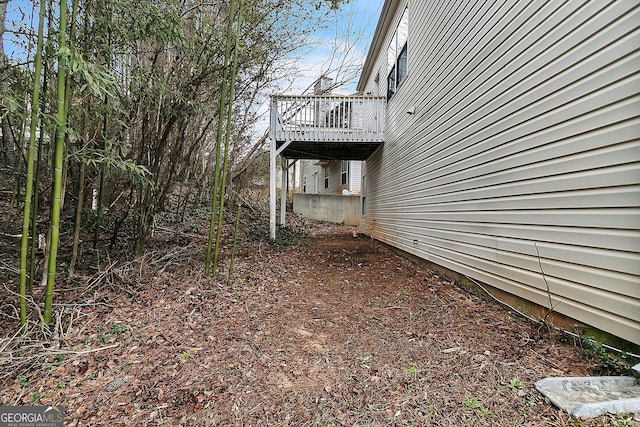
346	39
20	15
337	51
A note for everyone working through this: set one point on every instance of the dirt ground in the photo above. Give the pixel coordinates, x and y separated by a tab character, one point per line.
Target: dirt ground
335	330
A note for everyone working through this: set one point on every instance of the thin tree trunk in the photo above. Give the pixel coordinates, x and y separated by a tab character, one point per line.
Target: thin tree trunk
36	201
20	160
36	186
7	139
61	122
83	166
6	143
26	214
185	204
105	122
79	205
78	219
225	165
96	230
221	109
44	153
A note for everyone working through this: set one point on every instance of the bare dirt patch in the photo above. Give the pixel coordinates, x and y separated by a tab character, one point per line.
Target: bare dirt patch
336	330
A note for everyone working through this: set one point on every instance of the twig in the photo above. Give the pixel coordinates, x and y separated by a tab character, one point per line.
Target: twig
231	190
16	236
180	233
544	277
9	341
535	245
99	279
546	360
87	324
93	350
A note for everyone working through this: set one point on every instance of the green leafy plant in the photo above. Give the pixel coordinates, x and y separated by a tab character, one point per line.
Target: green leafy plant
287	236
55	363
410	371
609	362
102	339
185	357
117	330
23	382
623	423
474	404
35	397
515	384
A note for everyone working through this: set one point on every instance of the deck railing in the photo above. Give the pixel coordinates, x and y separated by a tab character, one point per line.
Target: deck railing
327	118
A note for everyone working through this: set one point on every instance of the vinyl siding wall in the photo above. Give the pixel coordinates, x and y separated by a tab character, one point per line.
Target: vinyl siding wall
523	154
355	176
309	167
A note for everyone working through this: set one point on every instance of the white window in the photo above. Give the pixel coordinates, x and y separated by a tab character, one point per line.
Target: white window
326	177
304	184
344	171
364	195
397	56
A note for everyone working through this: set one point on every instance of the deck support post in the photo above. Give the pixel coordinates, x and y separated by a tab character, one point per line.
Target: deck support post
272	189
283	190
320	126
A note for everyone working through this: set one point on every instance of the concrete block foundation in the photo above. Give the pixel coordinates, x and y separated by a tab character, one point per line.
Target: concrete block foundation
328	207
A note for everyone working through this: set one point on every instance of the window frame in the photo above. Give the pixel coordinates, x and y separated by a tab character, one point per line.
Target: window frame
344	172
398	55
363	197
402	64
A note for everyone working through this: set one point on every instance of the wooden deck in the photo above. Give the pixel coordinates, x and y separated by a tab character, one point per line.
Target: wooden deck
327	126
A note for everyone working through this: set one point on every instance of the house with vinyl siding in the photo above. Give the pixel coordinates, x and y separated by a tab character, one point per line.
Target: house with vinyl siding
511	153
330	176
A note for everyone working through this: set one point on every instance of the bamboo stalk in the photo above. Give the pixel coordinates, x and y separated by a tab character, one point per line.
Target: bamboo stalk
83	167
216	173
38	170
26	214
80	203
61	123
225	165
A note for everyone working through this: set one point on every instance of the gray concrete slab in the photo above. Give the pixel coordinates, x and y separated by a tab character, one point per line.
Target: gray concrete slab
592	396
